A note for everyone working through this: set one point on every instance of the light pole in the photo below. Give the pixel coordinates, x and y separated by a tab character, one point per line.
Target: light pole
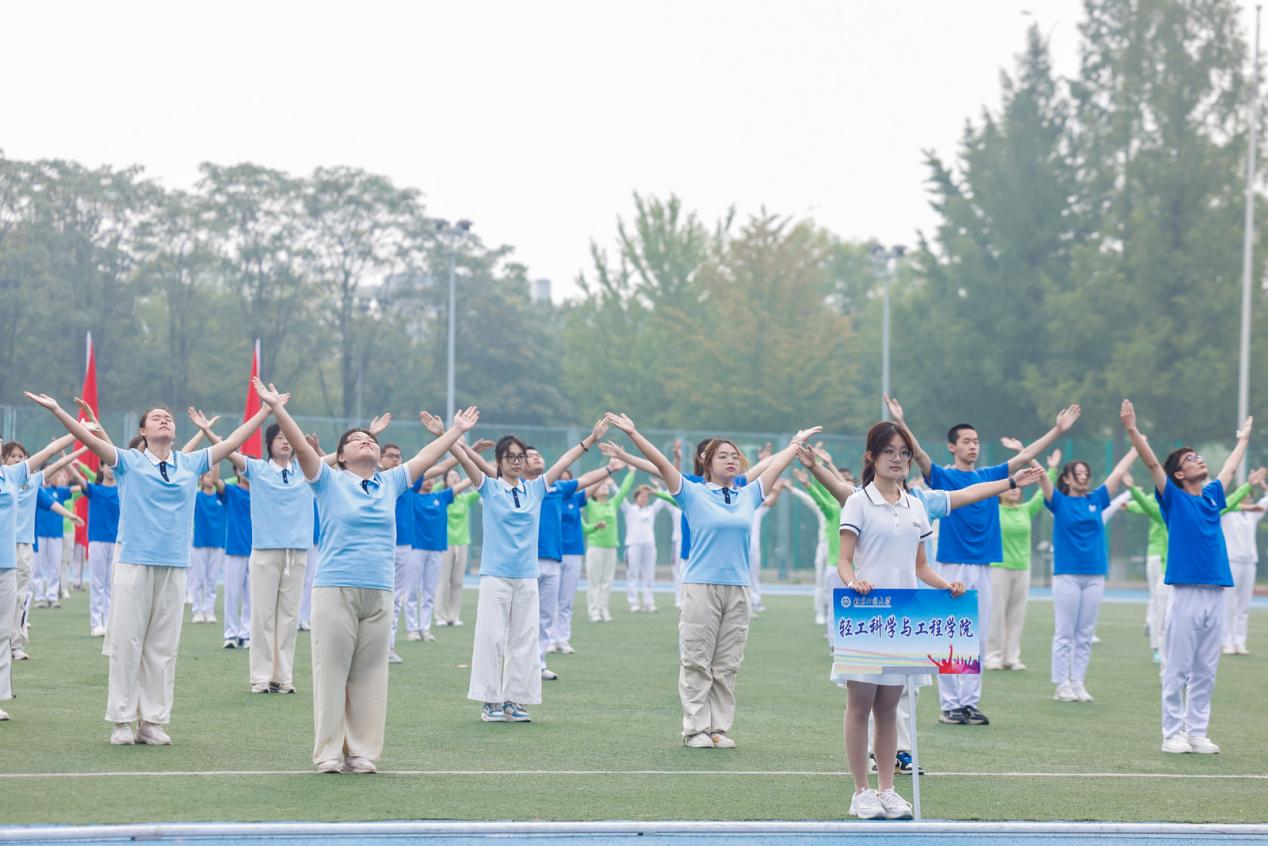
1248	251
886	261
453	235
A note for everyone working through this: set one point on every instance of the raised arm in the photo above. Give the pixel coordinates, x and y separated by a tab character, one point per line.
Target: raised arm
664	467
985	490
839	488
779	461
1120	469
1065	419
612	450
918	454
200	421
1127	413
64	461
78	432
1045	484
1145	504
91	417
58	508
239	436
305	454
463	422
569	458
764	457
1239	452
624	489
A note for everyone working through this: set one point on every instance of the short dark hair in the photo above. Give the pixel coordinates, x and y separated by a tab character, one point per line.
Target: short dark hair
343	439
1175	461
12	447
269	434
396	447
953	434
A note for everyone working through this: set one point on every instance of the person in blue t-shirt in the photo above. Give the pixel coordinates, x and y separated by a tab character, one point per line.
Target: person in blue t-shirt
1198	572
1080	564
46	581
157	489
206	557
103	532
237	565
431	539
352	592
713	626
969	540
506	661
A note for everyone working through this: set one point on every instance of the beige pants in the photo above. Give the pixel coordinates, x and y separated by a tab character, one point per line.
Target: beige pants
8	587
276	579
143	633
505	664
600	570
1011	589
453	566
26	563
349	642
712	628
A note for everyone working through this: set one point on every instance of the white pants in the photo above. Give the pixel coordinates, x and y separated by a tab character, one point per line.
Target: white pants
1159	598
408	590
205	563
237	597
505	663
1076	603
453	566
822	599
46	581
277	580
22	596
429	561
640	574
100	568
834	582
548	573
8	604
306	601
350	632
142	639
755	574
569	575
1195	620
1010	589
1237	602
676	568
600	568
965	689
76	564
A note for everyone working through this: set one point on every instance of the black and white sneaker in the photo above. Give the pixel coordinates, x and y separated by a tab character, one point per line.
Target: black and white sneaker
975	717
954	717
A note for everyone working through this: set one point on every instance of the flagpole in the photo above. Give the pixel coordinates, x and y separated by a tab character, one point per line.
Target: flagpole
1248	251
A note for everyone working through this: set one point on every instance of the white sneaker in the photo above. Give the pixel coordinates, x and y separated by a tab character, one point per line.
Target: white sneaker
1065	693
721	741
393	658
415	636
4	715
456	623
99	631
1227	650
151	734
198	618
1202	745
993	665
1096	639
330	766
554	647
357	764
1015	666
820	619
698	741
566	648
1080	693
549	675
1177	744
1241	649
19	654
122	735
896	807
428	637
866	805
209	618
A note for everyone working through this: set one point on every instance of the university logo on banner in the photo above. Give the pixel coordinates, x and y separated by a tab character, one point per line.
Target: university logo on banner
904	628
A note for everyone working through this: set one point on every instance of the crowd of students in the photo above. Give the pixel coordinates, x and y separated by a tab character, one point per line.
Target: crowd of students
348	544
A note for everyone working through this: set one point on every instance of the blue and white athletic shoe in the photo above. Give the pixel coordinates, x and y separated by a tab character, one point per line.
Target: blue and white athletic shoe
492	713
515	713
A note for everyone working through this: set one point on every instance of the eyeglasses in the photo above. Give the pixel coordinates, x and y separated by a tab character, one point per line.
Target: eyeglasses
891	453
515	457
1193	456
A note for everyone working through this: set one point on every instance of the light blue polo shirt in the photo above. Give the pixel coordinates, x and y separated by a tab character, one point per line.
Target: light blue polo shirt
26	506
358	527
12	478
156	520
971	533
1078	533
281	505
509	518
1196	550
685	530
721	521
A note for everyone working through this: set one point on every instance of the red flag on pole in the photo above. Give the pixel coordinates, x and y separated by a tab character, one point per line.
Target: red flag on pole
254	445
88	395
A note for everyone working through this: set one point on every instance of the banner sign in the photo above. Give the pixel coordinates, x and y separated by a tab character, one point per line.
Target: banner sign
892	630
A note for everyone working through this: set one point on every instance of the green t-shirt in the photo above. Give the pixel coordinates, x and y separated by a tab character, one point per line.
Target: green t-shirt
604	511
460	518
832	523
1014	525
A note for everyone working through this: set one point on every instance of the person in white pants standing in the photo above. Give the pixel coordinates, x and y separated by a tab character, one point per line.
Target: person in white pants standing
1239	527
1198	572
207	558
755	546
46	582
103	532
431	540
640	548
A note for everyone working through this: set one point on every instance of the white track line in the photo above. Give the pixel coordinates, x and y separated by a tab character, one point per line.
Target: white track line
749	773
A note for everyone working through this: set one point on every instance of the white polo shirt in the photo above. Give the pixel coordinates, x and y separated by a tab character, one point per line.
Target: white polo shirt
888	536
640	522
1239	532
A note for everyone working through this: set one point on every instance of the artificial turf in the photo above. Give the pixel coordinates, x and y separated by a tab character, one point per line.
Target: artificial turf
614	716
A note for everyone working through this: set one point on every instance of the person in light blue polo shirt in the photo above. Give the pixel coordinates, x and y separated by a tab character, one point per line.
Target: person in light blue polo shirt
1080	564
352	591
505	660
157	489
713	626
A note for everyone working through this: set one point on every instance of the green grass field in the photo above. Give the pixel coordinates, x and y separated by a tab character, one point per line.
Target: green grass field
605	744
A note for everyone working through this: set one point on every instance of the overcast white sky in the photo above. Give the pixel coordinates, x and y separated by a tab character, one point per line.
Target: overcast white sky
535	120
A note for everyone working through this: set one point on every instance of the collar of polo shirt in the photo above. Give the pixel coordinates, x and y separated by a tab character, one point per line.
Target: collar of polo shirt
874	496
154	459
714	486
521	486
280	467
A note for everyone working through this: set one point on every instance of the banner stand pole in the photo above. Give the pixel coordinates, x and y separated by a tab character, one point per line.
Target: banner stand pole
915	757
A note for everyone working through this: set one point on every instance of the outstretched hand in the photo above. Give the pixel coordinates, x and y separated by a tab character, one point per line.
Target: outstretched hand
1054	459
620	421
431	423
806	456
379	424
314	442
600	427
1011	443
270	395
483	445
42	400
895	410
611	450
805	434
1257	476
86	409
466	419
1028	475
1068	416
1243	434
764	452
1127	413
799	474
199	419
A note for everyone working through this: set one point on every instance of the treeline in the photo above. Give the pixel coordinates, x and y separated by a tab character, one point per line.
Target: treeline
1088	247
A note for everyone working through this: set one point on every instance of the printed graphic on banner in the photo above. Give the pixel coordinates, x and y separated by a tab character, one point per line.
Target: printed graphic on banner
924	629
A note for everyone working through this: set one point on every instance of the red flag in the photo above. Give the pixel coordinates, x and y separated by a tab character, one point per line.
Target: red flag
88	395
254	445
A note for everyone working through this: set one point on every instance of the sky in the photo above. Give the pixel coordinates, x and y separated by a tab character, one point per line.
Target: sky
537	121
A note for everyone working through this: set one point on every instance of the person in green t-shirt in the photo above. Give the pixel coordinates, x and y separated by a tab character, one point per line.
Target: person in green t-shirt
828	512
598	521
453	562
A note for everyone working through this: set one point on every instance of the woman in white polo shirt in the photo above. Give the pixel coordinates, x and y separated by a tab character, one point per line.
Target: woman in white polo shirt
157	488
640	546
882	534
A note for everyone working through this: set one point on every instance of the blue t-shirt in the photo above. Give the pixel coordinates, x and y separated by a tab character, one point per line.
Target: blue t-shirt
103	513
405	514
570	521
509	518
358	527
156	522
281	505
209	520
316	524
1078	533
239	520
48	523
723	521
28	491
970	534
431	520
550	530
1196	554
685	550
12	478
